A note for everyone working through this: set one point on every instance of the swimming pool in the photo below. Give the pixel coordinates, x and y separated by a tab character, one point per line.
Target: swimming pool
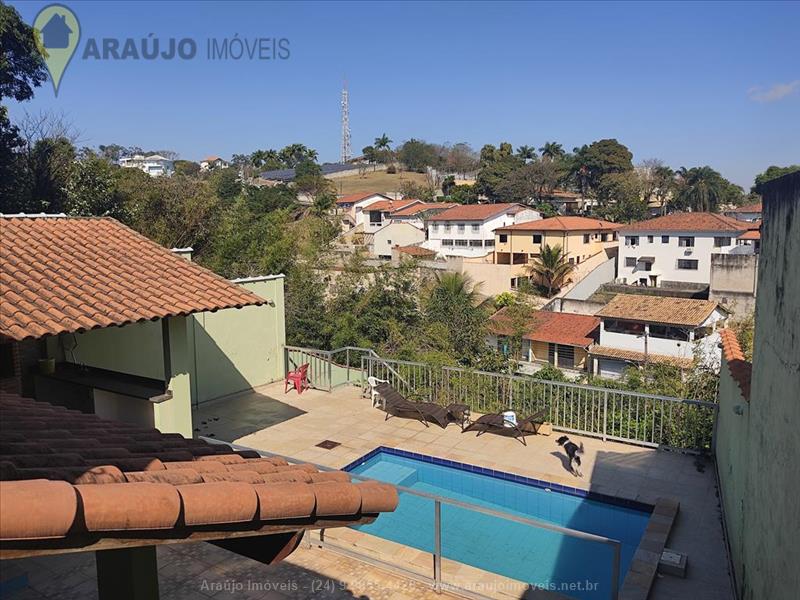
552	560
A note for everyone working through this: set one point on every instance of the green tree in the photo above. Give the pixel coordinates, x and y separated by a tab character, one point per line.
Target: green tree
551	269
383	142
531	182
496	164
185	167
704	189
91	190
771	173
417	155
589	164
621	195
21	65
526	153
463	194
552	151
225	182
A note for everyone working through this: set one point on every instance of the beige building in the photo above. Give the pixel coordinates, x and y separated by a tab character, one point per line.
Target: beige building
579	237
394	234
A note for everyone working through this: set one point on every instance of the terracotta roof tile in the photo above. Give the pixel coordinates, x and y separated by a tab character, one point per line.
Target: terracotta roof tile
754	207
695	221
553	327
751	234
658	309
564	224
391	205
640	357
476	212
95	476
740	369
63	274
416	209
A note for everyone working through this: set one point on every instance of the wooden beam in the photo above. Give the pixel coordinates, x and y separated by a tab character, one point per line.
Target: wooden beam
265	549
127	574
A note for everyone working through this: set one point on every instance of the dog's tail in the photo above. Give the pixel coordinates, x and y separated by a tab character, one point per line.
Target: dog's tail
580	450
562	440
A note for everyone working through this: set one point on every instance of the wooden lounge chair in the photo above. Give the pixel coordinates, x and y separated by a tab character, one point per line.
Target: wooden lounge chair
496	423
395	403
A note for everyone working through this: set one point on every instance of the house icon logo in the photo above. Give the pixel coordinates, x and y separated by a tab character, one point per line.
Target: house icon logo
57	34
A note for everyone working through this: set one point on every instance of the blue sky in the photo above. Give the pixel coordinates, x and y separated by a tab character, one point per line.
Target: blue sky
688	83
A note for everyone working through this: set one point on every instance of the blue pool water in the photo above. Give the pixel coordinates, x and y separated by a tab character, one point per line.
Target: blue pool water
574	567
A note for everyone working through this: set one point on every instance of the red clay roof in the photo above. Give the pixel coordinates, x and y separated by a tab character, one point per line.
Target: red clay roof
740	369
658	309
754	207
353	198
695	221
553	327
391	205
415	209
564	224
65	474
476	212
750	234
65	274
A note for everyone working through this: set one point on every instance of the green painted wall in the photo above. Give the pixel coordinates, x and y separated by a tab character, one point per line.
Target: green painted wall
757	453
212	354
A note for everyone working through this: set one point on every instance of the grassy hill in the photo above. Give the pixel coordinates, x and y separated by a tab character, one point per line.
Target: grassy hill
378	181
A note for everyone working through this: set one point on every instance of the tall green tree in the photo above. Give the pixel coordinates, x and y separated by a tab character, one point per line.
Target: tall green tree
417	155
552	150
526	153
551	269
496	164
91	190
771	173
704	189
589	164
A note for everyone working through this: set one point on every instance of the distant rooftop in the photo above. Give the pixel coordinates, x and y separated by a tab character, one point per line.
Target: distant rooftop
358	197
564	224
658	309
553	327
477	212
691	221
288	174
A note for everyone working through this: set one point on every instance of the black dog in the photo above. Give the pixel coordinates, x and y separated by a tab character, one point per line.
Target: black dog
573	451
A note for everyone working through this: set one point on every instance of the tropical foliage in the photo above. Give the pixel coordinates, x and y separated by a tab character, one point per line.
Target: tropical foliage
551	270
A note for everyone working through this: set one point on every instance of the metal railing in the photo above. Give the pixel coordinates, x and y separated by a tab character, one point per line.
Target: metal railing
436	580
329	369
643	419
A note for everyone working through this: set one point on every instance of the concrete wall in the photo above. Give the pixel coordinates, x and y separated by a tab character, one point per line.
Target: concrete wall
602	274
734	281
757	452
494	279
569	305
395	234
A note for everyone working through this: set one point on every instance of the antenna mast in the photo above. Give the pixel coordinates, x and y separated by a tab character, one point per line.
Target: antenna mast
346	153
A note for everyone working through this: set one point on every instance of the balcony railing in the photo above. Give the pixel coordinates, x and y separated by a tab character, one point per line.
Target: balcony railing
632	417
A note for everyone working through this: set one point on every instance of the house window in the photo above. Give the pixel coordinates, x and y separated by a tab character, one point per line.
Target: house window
475	243
447	242
447	228
435	227
375	216
720	242
617	326
585	238
475	228
514	283
686	241
631	240
503	238
537	238
461	228
605	237
461	243
649	239
687	265
648	266
630	261
665	239
669	333
488	243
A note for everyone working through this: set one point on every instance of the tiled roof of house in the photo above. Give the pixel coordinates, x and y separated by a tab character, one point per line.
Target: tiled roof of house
415	250
476	212
553	327
66	475
750	234
695	221
391	205
740	369
640	357
415	209
65	274
658	309
564	224
754	207
353	198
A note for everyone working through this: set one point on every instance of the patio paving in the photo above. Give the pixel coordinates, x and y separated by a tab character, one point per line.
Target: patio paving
609	467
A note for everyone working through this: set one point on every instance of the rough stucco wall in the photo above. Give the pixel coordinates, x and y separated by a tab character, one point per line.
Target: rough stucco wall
772	498
734	278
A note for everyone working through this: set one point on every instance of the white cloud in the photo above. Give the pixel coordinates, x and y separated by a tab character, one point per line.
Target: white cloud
776	92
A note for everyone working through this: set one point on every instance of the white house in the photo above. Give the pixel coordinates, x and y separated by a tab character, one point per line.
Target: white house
675	248
468	230
748	212
394	234
352	206
154	165
209	163
636	329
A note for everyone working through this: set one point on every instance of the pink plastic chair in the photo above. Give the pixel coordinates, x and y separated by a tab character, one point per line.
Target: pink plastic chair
297	378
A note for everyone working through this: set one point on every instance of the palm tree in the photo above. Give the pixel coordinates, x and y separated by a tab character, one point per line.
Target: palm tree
526	153
700	188
383	142
458	288
552	150
551	269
